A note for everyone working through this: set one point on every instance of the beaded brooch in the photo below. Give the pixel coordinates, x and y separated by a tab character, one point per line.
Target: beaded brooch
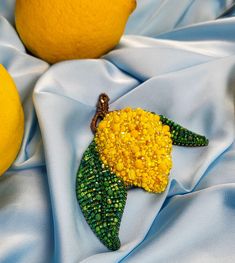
131	147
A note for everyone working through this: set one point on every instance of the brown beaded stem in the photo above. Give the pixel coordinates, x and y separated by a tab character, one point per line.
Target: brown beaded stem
102	109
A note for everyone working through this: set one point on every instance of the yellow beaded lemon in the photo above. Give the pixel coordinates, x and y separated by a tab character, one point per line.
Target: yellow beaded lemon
11	121
56	30
136	146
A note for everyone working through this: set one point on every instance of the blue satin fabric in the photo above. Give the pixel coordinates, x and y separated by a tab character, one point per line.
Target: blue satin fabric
183	69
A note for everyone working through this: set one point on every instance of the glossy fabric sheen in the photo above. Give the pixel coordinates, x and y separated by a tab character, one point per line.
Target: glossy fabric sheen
178	60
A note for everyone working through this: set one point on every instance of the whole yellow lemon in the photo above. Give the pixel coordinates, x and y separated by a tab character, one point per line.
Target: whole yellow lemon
11	121
57	30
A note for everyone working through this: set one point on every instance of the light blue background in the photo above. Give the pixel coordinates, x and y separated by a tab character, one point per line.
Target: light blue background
176	60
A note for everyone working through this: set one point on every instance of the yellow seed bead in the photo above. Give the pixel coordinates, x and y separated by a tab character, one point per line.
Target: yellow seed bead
112	152
162	166
135	149
132	175
147	138
102	125
123	173
116	118
166	128
157	118
119	166
123	116
135	133
143	153
151	130
128	109
132	126
116	127
138	164
145	177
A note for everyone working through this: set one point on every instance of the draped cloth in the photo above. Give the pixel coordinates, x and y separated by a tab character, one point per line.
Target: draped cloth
177	59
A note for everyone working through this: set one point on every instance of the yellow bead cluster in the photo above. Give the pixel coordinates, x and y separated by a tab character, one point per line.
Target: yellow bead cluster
136	146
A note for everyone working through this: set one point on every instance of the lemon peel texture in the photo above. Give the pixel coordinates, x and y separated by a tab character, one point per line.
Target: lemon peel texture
11	121
57	30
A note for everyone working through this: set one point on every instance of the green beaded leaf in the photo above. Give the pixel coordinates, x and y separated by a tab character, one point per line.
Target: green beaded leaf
182	136
101	196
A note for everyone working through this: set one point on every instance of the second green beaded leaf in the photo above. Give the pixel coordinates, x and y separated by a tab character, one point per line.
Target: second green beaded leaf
182	136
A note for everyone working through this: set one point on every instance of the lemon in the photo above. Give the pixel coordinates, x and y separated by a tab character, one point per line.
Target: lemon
57	30
11	121
136	146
